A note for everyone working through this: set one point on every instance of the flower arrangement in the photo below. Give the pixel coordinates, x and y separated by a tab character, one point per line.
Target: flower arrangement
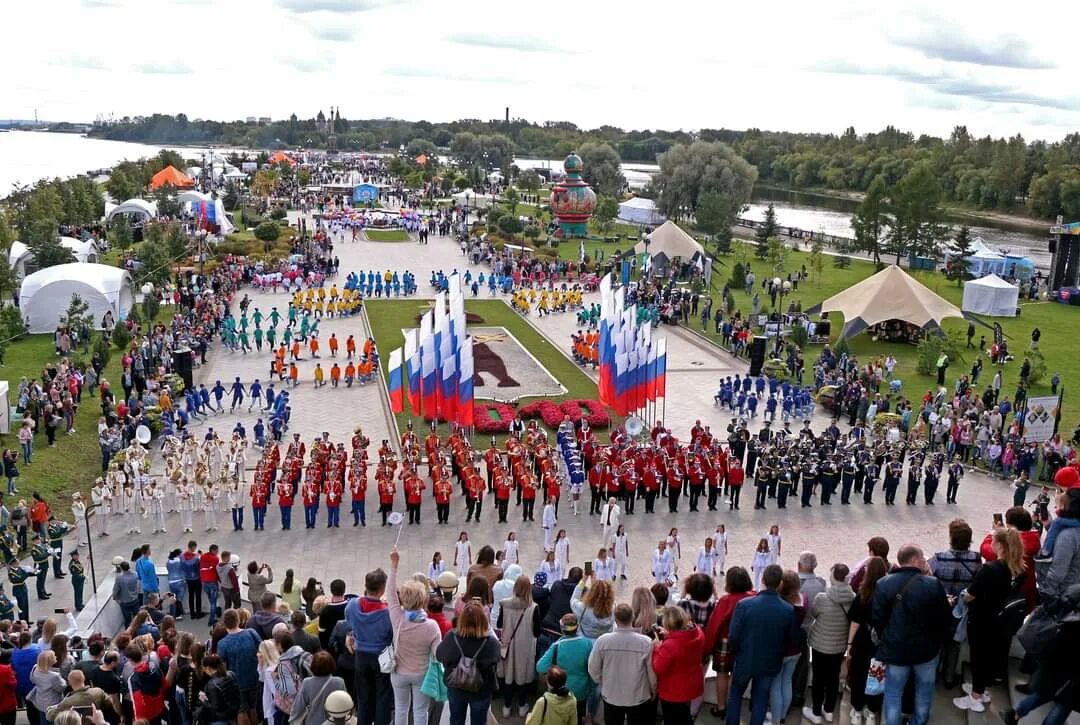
485	423
552	413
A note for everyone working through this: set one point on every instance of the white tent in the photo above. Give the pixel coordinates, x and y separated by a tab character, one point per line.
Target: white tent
84	251
990	295
18	257
640	211
45	295
139	207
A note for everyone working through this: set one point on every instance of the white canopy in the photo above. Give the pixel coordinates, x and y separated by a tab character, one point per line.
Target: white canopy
84	251
475	201
190	195
139	207
990	295
640	211
670	240
45	295
18	255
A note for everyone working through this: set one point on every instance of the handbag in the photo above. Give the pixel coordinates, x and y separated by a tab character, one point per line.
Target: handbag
388	656
504	649
875	677
433	684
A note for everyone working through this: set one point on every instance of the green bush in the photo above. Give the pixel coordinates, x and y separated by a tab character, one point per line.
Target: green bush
842	262
252	218
799	337
738	276
511	225
494	214
1038	366
121	337
101	347
267	232
842	347
150	306
930	349
278	213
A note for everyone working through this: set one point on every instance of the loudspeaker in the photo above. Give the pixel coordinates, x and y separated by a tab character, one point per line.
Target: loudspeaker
757	354
1065	271
182	364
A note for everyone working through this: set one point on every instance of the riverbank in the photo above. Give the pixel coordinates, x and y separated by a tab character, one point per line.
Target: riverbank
1018	221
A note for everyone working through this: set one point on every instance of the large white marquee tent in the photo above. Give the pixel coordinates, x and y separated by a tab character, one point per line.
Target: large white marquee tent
990	295
46	294
640	211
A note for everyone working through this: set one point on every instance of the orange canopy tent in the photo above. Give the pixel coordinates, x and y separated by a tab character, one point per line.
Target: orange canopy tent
422	159
169	175
281	157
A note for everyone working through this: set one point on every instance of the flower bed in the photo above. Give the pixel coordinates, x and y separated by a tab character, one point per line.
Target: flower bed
492	417
552	413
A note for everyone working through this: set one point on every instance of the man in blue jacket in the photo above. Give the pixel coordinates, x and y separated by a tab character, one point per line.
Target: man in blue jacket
369	619
911	614
147	572
763	627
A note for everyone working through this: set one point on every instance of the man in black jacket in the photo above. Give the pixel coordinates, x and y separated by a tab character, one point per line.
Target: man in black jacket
558	605
911	614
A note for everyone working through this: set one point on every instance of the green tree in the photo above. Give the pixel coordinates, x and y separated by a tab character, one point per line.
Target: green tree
421	146
817	260
529	180
960	249
870	219
120	232
688	171
154	264
167	203
303	177
605	212
45	245
512	199
121	187
267	232
916	214
510	225
121	337
176	241
777	254
602	168
264	183
12	326
716	214
8	282
765	232
77	317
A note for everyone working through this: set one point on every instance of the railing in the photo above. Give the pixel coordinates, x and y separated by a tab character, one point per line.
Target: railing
795	233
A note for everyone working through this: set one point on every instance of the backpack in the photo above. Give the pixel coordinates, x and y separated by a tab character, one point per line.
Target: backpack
288	676
466	674
1042	633
1010	618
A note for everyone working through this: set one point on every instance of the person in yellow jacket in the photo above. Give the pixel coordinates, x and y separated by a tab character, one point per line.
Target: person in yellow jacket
320	376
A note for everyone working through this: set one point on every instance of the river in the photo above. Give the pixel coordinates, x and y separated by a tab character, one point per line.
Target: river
818	213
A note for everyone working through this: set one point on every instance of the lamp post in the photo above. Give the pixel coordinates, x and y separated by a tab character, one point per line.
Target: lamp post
783	287
90	544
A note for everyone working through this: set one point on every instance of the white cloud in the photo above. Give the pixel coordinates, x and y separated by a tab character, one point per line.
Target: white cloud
917	64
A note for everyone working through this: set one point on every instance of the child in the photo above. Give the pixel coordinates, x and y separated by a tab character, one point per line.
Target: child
621	551
761	560
557	706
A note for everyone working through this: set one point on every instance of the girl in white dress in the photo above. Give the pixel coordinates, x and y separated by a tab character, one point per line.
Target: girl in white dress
762	558
462	554
720	544
562	550
675	547
774	544
706	558
550	566
438	566
622	552
511	550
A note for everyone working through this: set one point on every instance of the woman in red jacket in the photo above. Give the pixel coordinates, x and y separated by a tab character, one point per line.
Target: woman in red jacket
737	586
1019	518
7	689
676	659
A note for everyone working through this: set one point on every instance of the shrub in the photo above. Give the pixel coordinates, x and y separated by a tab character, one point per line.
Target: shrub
510	225
278	213
738	276
697	286
842	347
494	214
267	232
252	218
799	336
150	306
842	262
101	347
930	349
1038	366
121	337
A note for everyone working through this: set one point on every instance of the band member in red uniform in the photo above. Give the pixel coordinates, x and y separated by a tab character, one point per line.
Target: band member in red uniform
334	492
528	496
596	486
491	461
552	488
474	494
285	493
443	490
697	482
674	486
357	492
259	487
652	486
735	477
386	493
311	491
502	493
414	490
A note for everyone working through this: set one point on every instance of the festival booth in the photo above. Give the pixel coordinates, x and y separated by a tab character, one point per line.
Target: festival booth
83	251
893	299
280	157
990	295
173	177
208	210
45	295
640	211
141	210
470	199
365	194
666	243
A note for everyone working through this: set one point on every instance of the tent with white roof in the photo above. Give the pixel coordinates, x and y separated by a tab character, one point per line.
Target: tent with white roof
990	295
639	210
45	295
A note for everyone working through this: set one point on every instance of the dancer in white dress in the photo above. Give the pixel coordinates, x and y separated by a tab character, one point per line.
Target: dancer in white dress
762	558
550	566
663	564
548	520
155	503
774	544
674	545
621	549
604	566
437	567
707	558
511	550
562	550
462	554
720	542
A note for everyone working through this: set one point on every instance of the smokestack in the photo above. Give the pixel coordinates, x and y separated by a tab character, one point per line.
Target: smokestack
508	114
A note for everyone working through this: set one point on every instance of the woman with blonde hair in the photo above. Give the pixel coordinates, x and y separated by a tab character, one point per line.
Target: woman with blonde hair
519	622
268	656
48	684
593	603
416	639
644	605
996	584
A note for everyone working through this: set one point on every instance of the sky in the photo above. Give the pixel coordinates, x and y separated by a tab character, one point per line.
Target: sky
1001	68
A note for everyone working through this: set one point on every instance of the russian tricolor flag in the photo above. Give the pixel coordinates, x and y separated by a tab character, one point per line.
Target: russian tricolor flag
465	384
412	370
397	392
661	368
429	373
448	393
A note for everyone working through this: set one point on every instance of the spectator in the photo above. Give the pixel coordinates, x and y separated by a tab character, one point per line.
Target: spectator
955	568
780	694
127	592
864	708
557	706
239	652
257	582
676	660
48	684
1020	519
810	585
485	566
8	700
146	684
1063	550
417	641
698	602
519	621
912	617
435	606
737	586
616	664
828	638
146	571
208	563
562	592
290	592
221	696
310	703
762	628
308	642
334	610
877	546
228	581
79	695
571	654
471	638
593	605
266	617
369	619
985	598
107	677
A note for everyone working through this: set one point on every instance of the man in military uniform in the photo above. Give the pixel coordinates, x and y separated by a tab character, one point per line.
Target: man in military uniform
78	579
57	529
41	553
17	576
7	607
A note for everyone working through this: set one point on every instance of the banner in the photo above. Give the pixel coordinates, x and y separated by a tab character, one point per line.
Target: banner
1040	418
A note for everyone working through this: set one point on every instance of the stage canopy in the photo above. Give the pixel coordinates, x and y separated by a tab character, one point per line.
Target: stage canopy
891	294
170	175
990	295
141	208
45	295
670	240
640	211
280	157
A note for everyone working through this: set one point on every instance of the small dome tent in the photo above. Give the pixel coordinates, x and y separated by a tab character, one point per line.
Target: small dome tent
46	294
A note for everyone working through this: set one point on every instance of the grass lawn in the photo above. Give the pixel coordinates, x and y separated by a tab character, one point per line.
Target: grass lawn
389	318
76	460
387	235
1053	319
